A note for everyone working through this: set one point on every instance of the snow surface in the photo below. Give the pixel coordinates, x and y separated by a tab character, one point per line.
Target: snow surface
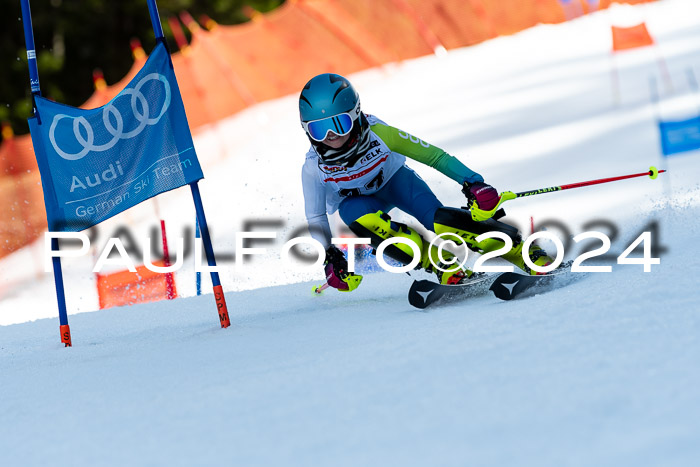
601	372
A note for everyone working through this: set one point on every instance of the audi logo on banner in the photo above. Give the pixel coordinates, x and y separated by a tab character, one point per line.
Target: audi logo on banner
144	119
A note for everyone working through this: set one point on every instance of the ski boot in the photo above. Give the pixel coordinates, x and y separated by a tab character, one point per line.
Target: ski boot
537	255
540	258
451	274
447	270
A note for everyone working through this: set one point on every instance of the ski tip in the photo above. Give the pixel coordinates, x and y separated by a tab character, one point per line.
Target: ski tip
418	294
510	284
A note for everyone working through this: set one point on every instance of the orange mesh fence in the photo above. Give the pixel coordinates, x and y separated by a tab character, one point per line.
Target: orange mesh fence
387	20
631	38
270	47
197	106
22	218
222	97
549	11
231	67
314	51
127	288
101	96
359	36
510	16
456	23
279	49
17	156
253	70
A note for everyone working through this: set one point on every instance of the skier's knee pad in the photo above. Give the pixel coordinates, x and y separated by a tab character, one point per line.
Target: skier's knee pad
378	226
459	222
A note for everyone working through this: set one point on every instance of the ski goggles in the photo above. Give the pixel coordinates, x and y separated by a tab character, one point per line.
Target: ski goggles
318	130
340	124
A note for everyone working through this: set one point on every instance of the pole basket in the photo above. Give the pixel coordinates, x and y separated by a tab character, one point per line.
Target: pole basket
65	335
221	306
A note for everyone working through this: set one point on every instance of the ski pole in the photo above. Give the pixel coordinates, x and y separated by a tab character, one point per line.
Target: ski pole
481	215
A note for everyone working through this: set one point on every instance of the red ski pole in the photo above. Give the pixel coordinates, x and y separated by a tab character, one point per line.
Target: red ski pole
652	173
481	215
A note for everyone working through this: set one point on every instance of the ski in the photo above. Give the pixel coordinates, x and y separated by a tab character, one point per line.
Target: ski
425	293
510	285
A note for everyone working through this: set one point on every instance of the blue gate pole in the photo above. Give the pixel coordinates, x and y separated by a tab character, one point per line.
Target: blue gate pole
198	275
218	290
36	91
211	260
31	51
155	19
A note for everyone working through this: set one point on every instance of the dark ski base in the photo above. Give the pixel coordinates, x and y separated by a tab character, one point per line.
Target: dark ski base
510	285
425	293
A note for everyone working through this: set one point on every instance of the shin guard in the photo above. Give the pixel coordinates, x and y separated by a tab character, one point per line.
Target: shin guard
378	226
460	222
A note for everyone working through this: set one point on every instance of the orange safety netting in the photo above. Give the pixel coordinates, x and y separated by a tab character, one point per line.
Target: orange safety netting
229	68
17	157
101	96
631	37
20	221
127	288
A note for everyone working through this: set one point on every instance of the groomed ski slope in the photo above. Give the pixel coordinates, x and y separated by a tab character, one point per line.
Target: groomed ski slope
602	372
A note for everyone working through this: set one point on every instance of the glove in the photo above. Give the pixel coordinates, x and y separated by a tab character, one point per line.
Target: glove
485	195
336	268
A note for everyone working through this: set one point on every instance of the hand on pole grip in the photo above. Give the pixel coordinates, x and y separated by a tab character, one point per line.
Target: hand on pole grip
336	268
484	195
484	200
481	215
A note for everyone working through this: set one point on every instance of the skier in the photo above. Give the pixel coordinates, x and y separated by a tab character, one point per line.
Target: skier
356	164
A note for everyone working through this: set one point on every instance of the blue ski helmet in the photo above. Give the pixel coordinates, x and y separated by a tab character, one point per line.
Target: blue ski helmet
327	95
328	103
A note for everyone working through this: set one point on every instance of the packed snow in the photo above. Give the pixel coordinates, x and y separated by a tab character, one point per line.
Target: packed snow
601	372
